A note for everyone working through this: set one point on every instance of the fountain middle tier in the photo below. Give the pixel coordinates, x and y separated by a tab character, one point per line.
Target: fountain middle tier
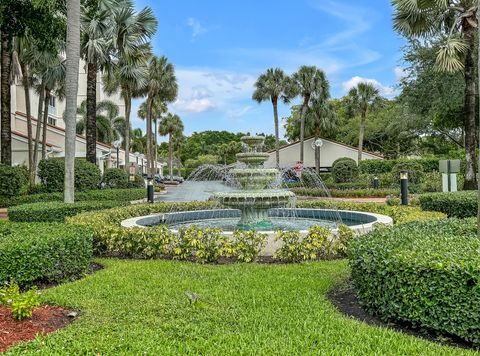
252	179
254	205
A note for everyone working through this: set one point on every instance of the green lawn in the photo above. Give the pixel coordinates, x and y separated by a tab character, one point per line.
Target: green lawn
140	308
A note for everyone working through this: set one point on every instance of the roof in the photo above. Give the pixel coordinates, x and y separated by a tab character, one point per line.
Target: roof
328	140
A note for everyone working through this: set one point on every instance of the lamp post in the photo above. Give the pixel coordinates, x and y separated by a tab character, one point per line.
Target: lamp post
404	187
116	144
317	144
136	154
141	160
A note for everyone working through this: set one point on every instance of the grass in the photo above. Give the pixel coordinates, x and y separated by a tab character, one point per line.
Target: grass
140	308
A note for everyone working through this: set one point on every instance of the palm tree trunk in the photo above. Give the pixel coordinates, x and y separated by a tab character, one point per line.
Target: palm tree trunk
470	182
303	114
71	91
317	153
91	129
170	155
361	134
26	89
277	142
44	125
5	98
149	137
38	128
155	146
128	108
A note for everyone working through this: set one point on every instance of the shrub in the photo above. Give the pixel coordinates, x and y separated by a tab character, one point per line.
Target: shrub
204	245
115	178
454	204
138	182
21	305
120	195
55	211
40	252
12	181
414	169
52	173
376	166
347	193
246	245
424	273
345	171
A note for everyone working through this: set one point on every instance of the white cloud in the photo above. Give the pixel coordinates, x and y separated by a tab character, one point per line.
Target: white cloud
202	90
197	28
354	81
400	73
238	112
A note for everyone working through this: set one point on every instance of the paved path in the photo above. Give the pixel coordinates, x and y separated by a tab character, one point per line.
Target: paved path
3	214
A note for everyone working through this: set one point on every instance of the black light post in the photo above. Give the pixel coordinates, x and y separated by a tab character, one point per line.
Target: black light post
376	183
404	187
150	190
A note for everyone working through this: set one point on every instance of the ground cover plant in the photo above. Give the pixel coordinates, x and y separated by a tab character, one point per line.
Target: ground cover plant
423	273
171	308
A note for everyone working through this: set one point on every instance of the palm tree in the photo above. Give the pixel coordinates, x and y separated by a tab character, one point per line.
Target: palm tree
109	124
360	101
96	48
320	119
310	82
138	141
158	109
170	125
272	85
5	100
162	85
455	23
71	91
128	73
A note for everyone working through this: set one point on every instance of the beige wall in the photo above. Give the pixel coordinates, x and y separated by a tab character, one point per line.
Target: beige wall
329	152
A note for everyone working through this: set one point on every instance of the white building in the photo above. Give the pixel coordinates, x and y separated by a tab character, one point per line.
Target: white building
106	153
329	152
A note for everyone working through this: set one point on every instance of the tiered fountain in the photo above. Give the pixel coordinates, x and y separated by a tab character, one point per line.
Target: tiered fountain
256	197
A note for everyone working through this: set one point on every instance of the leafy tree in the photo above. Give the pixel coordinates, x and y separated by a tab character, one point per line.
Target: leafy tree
310	82
360	101
273	85
455	22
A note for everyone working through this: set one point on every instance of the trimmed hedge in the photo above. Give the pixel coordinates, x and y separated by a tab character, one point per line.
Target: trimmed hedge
52	174
454	204
344	193
376	166
13	180
424	273
56	211
115	178
40	252
344	170
120	195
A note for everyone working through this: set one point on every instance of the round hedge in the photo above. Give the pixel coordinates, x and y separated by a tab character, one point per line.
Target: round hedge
423	273
13	180
115	178
344	170
51	172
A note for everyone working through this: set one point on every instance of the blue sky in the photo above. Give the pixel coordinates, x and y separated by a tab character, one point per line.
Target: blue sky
220	47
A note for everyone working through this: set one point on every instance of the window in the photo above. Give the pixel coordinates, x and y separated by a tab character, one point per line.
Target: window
52	121
52	101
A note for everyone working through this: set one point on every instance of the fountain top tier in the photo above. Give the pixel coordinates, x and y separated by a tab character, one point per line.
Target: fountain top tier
253	157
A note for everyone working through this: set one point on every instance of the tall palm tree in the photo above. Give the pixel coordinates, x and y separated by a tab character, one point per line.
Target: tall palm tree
310	82
360	101
128	73
454	22
162	85
272	85
71	91
96	50
320	119
172	126
158	109
138	141
109	124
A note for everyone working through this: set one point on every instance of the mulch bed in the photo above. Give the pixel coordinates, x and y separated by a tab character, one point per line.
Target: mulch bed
344	298
45	319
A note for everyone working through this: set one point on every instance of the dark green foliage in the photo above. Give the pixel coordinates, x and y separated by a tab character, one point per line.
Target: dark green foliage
423	273
139	182
40	252
52	174
413	168
345	170
120	195
454	204
12	181
56	211
344	193
377	166
115	178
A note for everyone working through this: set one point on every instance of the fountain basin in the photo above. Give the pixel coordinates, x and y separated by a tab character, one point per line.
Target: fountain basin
293	219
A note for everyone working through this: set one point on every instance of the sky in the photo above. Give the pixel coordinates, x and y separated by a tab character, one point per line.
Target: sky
219	48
